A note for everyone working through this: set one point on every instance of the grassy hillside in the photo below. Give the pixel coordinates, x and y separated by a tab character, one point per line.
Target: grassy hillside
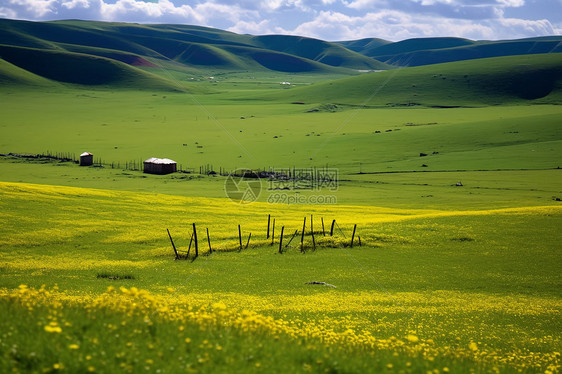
82	69
473	51
427	51
11	75
465	83
328	53
364	45
190	47
207	51
411	45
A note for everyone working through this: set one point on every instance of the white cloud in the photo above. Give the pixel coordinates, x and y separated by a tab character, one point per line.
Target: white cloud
76	4
132	10
323	19
512	3
394	25
37	8
233	13
252	27
7	13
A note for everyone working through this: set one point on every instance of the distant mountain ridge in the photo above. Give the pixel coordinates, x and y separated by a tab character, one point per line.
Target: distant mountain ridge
122	54
428	51
186	47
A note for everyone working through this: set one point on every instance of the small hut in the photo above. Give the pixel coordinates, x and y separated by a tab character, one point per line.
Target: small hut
159	166
86	159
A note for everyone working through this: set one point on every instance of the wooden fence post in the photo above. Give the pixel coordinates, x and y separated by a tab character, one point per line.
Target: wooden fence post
353	235
189	248
313	241
173	245
273	232
195	239
323	231
292	237
209	241
268	221
339	228
281	239
248	242
240	237
302	235
332	228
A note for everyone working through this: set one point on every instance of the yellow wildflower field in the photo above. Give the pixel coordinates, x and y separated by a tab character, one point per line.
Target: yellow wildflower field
438	290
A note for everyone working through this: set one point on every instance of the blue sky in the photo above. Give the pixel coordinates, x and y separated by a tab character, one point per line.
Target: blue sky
324	19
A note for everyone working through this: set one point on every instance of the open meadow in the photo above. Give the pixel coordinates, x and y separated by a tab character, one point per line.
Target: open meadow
455	264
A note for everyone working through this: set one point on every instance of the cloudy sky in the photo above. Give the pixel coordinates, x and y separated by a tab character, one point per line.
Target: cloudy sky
325	19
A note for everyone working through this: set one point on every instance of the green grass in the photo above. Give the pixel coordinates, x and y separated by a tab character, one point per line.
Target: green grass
464	278
416	274
481	82
119	122
188	46
83	69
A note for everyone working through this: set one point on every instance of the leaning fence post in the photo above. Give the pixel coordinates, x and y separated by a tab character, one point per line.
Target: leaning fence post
268	221
292	237
240	236
339	228
195	239
323	231
302	235
353	235
173	245
281	239
209	241
332	228
248	242
189	248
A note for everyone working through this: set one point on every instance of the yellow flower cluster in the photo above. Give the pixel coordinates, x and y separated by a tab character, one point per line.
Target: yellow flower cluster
345	332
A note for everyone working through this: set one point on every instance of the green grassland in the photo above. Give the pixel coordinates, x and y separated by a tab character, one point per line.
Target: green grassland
447	279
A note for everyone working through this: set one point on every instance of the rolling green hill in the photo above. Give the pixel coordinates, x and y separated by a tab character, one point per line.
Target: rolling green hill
189	47
76	68
364	45
474	51
466	83
327	53
11	75
159	56
416	44
427	51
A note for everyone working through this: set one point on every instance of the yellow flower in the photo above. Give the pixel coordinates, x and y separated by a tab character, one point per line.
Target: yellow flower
187	340
412	338
219	306
55	329
73	346
473	346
